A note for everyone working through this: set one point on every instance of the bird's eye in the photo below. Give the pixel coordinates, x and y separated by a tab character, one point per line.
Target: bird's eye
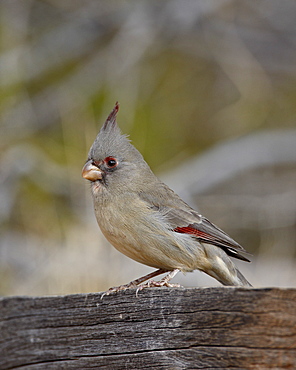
111	162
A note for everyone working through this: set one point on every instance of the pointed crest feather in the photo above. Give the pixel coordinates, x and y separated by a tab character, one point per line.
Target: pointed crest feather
111	142
111	120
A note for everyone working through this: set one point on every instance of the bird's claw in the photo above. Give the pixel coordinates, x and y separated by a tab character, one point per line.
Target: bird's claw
149	284
137	284
119	288
158	284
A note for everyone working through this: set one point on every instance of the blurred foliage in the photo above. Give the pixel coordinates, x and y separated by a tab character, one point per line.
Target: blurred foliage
187	74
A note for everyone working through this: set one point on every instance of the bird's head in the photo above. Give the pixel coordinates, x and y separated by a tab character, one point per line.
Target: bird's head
113	161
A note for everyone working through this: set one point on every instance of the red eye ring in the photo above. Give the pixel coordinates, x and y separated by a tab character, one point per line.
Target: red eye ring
110	162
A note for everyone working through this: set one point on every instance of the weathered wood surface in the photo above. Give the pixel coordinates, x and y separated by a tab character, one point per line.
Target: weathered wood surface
161	328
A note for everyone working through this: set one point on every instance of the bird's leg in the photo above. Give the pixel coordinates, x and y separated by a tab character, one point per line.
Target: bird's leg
135	283
163	282
148	276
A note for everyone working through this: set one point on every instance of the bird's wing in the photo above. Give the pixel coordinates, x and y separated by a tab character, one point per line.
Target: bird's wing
183	219
190	222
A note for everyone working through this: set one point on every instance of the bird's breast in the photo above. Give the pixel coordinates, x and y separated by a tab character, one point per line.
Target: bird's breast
143	234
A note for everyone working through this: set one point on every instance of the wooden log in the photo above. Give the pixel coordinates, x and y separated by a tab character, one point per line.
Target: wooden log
159	328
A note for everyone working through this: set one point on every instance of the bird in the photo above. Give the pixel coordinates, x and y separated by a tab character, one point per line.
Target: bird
147	221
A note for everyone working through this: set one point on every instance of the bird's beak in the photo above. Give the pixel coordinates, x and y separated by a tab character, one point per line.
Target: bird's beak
91	172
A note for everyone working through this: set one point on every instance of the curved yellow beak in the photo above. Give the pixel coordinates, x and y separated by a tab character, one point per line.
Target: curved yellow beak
91	172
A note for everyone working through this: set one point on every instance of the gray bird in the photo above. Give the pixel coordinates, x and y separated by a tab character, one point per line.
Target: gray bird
145	220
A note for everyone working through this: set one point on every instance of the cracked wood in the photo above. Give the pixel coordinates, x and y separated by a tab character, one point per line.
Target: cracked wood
161	328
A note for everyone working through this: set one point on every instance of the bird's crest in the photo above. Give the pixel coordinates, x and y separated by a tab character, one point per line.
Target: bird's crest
111	142
111	120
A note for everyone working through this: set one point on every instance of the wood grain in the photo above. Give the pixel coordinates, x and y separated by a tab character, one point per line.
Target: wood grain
160	328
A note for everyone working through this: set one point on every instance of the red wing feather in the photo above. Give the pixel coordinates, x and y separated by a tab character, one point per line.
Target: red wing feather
199	234
202	236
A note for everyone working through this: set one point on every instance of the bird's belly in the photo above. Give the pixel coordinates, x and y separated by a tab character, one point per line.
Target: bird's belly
150	242
138	251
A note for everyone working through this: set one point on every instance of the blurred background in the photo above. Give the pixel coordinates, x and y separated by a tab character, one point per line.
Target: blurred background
207	94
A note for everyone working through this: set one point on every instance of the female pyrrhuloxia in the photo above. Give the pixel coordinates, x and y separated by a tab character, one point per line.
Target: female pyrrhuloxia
145	220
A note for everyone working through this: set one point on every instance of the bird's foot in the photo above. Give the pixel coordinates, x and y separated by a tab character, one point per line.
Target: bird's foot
133	284
150	284
158	284
163	282
119	288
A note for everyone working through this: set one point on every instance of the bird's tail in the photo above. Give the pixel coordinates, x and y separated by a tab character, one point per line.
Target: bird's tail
222	268
231	277
242	280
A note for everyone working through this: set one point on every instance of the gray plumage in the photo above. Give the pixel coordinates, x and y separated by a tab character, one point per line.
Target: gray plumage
145	220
